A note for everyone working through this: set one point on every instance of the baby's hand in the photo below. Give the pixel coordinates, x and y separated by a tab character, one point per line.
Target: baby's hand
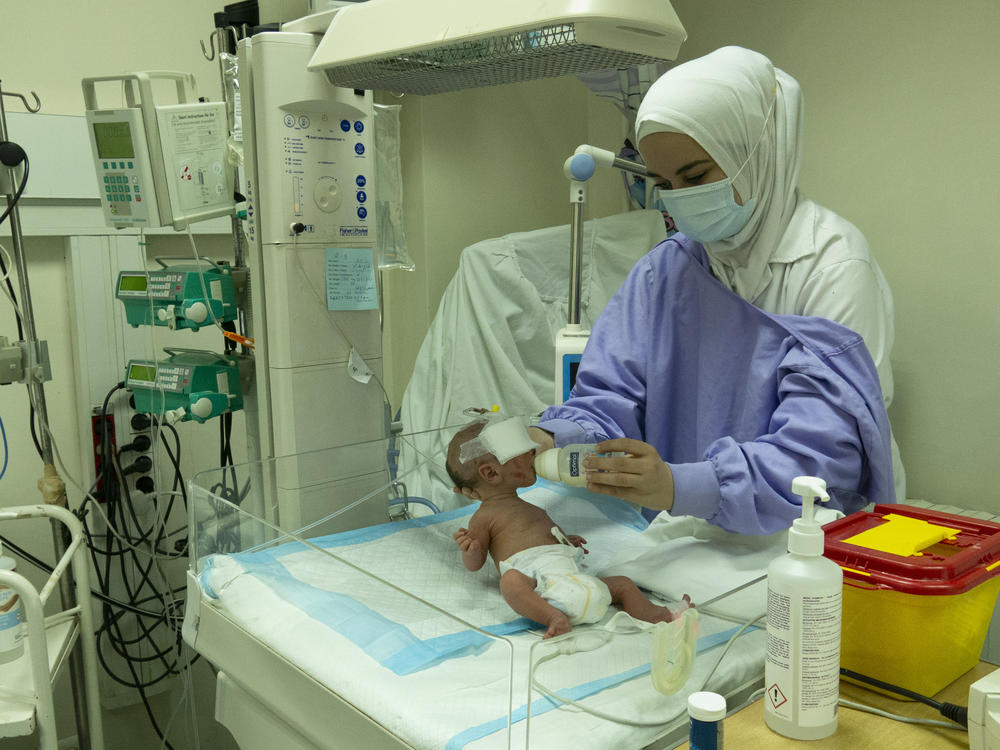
578	541
465	541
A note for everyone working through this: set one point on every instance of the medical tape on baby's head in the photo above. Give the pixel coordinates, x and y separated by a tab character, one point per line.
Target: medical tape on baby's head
471	450
504	440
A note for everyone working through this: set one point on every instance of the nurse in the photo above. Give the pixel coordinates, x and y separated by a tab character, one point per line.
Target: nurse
723	136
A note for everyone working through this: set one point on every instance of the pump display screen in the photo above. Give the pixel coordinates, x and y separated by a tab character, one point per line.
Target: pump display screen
114	140
132	284
144	373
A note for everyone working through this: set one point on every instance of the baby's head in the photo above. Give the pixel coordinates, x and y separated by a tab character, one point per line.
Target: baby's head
485	471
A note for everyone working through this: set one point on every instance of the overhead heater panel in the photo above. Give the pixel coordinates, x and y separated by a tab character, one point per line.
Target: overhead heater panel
446	45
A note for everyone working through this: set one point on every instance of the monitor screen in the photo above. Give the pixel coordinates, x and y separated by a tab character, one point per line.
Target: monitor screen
114	140
132	284
144	373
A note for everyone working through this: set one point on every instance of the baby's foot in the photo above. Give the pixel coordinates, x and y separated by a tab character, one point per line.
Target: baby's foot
558	624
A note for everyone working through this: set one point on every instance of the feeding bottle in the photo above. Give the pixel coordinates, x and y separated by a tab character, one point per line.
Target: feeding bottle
566	464
11	617
804	592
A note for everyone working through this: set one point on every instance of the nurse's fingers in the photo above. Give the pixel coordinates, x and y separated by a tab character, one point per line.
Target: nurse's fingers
629	445
648	482
614	479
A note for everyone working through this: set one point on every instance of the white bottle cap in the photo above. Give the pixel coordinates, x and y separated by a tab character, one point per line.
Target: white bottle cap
706	706
547	464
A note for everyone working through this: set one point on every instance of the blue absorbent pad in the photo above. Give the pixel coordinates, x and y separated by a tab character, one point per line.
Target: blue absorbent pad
391	589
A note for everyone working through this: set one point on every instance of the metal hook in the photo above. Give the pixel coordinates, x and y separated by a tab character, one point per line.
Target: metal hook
211	42
38	103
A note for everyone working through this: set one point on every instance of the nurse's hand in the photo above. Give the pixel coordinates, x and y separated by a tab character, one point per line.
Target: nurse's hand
543	438
641	477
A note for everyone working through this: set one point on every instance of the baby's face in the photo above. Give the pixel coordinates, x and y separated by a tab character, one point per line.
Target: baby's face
520	470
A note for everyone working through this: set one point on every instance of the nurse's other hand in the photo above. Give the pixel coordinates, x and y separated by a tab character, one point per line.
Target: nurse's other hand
542	437
641	477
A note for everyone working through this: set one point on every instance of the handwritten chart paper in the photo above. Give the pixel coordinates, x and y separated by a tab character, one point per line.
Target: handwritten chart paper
350	279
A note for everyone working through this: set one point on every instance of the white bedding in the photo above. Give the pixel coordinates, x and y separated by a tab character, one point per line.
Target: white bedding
433	679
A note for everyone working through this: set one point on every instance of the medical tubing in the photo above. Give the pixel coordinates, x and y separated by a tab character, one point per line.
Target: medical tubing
586	709
417	500
6	452
600	714
956	713
729	643
9	289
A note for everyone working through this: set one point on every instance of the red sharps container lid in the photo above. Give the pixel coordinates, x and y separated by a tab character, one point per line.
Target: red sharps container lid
914	550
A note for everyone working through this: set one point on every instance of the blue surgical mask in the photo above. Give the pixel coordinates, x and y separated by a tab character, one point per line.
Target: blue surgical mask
709	213
706	213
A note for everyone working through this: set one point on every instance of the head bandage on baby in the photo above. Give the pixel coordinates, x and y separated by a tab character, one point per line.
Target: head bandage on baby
505	440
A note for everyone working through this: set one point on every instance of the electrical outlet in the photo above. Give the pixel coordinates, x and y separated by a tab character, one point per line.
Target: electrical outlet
984	713
99	433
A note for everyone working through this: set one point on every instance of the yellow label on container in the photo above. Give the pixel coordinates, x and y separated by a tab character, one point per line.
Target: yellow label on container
902	535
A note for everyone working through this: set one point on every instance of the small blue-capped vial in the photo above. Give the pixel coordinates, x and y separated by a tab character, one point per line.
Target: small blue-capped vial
706	711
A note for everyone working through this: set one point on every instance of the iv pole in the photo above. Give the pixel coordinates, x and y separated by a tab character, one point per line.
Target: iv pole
36	371
571	340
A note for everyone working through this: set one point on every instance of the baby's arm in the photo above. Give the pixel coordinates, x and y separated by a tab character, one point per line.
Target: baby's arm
474	543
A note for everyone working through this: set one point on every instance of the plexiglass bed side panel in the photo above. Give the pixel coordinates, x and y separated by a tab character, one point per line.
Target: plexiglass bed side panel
346	591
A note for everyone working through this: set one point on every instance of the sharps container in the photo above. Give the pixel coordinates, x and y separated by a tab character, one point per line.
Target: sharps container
706	711
919	590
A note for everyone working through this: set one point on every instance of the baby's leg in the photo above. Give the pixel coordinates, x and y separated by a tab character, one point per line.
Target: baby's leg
632	600
519	592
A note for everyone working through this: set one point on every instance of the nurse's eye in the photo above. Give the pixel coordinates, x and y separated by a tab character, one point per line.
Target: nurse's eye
663	185
695	179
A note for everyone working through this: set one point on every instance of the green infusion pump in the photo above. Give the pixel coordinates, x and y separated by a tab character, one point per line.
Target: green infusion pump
182	295
189	384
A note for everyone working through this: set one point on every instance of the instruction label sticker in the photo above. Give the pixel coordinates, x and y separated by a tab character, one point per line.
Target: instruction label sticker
350	279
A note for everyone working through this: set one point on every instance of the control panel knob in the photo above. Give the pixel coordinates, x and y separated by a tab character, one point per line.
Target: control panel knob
327	195
198	312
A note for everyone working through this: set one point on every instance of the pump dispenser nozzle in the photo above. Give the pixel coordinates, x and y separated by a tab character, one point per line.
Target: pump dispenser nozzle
806	535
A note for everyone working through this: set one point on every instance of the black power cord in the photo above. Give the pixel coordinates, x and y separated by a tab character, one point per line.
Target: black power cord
11	155
957	714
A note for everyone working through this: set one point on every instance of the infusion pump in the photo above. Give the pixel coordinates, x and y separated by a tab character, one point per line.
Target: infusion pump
159	165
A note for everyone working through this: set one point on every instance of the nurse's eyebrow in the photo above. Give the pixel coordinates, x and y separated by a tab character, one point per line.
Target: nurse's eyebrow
686	167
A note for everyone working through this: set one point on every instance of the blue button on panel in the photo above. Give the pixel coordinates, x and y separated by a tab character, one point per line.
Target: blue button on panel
360	180
345	125
362	196
359	127
359	148
362	212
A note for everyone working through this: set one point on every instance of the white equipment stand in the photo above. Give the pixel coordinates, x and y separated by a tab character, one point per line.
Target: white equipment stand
26	684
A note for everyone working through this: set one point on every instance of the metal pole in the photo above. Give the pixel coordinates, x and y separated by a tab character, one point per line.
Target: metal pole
36	394
575	264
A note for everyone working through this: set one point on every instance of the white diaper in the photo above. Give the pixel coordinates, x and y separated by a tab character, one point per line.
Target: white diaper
582	598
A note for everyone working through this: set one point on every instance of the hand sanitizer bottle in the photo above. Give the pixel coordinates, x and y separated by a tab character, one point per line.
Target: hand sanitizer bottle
804	592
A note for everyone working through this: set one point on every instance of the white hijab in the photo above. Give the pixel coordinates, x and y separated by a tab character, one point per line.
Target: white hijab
730	101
